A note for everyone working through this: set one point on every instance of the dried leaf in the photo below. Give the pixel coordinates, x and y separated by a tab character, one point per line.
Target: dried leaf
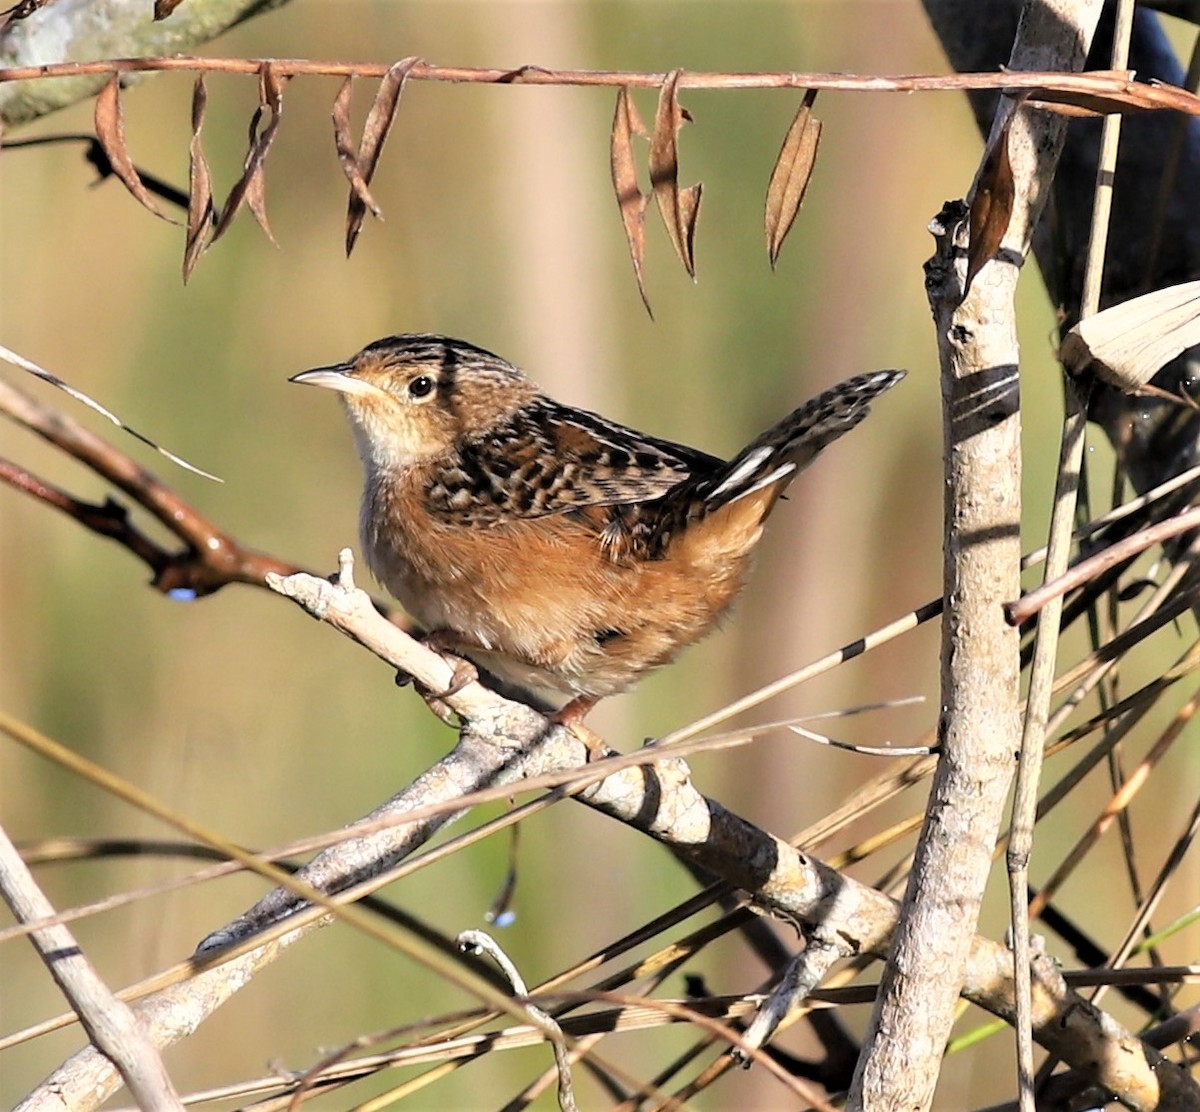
1127	344
200	203
678	207
992	204
630	199
344	144
791	174
249	188
163	8
271	86
375	132
110	130
53	379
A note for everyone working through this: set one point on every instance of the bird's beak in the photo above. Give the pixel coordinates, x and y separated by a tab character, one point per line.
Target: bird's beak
339	378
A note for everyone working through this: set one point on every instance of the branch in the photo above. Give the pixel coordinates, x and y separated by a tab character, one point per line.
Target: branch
1070	93
503	742
110	1023
209	558
979	729
97	30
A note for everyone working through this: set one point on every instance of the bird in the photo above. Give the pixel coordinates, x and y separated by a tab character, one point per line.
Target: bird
560	551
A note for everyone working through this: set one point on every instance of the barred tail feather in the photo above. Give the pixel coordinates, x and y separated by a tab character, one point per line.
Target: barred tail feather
788	447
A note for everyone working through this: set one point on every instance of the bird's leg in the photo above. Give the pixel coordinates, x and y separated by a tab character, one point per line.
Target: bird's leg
449	642
575	711
571	717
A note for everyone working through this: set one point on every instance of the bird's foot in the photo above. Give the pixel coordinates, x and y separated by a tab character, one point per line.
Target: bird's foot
443	642
571	717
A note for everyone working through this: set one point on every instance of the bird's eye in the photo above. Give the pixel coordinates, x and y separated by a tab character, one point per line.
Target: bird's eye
420	387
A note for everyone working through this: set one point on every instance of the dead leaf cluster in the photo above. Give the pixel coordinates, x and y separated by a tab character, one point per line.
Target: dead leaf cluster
206	222
359	165
679	206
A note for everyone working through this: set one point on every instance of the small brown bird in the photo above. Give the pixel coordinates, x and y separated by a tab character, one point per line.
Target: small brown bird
560	551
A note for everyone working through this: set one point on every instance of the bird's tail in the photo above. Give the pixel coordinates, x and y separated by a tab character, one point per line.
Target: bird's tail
787	448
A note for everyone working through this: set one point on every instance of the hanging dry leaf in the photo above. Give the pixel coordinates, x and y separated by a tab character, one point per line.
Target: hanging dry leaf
1127	344
630	199
344	144
249	188
375	132
110	130
991	206
678	207
163	8
270	94
200	204
791	174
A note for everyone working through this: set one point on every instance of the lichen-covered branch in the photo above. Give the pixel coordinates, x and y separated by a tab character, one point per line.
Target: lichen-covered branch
82	30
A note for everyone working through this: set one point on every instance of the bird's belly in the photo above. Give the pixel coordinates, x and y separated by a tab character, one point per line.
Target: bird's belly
543	607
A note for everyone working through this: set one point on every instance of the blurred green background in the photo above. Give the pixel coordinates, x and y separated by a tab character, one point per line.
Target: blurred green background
500	228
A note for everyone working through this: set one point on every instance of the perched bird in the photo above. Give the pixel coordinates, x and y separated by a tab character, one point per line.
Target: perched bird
560	551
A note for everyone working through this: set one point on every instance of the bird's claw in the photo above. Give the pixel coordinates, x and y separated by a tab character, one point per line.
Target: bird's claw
464	673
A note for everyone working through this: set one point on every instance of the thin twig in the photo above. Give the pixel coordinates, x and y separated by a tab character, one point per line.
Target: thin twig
1024	608
1084	88
474	941
1033	735
209	558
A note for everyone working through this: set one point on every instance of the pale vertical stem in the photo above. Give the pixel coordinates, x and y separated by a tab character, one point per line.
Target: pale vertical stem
979	723
1045	652
1041	685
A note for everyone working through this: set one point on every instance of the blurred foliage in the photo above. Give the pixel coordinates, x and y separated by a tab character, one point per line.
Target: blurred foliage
501	228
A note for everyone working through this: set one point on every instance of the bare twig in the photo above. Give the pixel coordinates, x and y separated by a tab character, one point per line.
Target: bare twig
209	559
480	942
111	1025
1031	603
1091	92
1033	735
1041	682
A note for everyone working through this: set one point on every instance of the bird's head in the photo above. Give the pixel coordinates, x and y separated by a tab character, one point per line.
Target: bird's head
414	396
